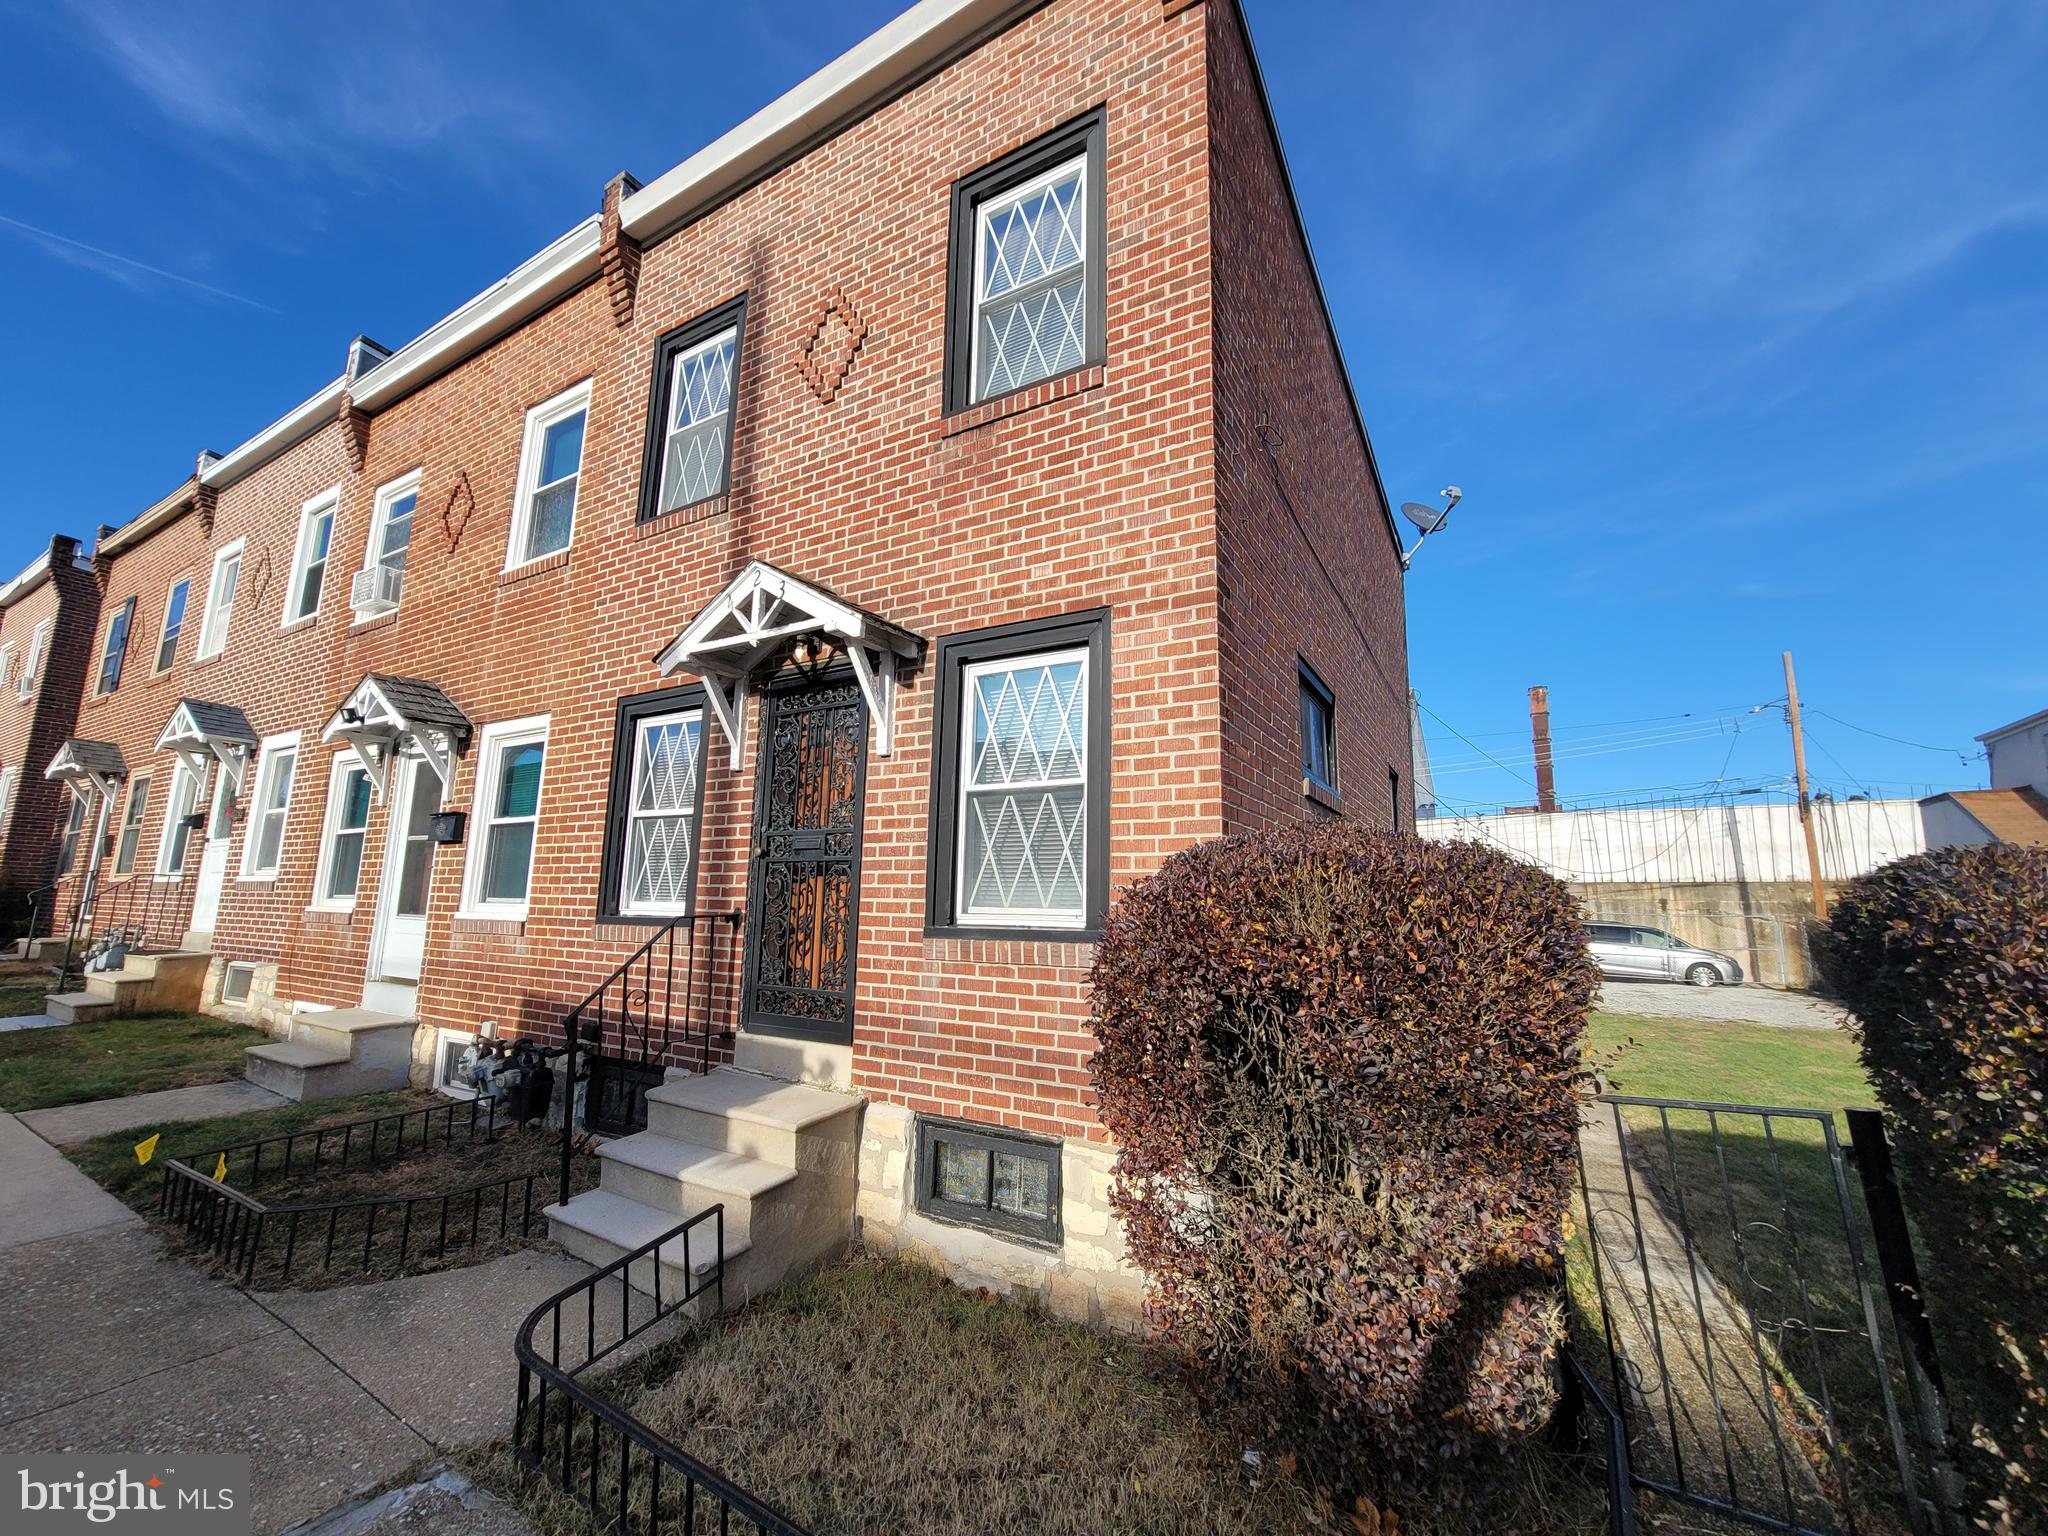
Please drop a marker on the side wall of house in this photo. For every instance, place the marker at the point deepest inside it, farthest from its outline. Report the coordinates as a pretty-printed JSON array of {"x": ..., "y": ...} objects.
[
  {"x": 33, "y": 728},
  {"x": 1307, "y": 567}
]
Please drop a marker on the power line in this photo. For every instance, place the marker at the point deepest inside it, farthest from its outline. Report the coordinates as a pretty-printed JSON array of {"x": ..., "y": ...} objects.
[{"x": 1962, "y": 757}]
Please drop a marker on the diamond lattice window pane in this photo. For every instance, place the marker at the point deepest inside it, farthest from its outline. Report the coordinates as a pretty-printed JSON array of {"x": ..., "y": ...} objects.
[
  {"x": 665, "y": 767},
  {"x": 1027, "y": 725},
  {"x": 658, "y": 862},
  {"x": 1024, "y": 850},
  {"x": 1034, "y": 338},
  {"x": 701, "y": 386},
  {"x": 694, "y": 469},
  {"x": 1033, "y": 237}
]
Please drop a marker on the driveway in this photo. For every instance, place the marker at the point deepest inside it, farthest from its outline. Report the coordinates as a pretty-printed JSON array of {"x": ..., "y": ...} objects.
[{"x": 1732, "y": 1005}]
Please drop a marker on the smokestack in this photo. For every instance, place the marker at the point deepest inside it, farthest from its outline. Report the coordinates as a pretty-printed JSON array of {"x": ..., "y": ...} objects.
[{"x": 1539, "y": 734}]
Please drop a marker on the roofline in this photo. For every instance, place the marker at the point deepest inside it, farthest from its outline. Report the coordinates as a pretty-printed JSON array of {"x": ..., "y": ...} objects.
[
  {"x": 31, "y": 577},
  {"x": 2018, "y": 725},
  {"x": 1251, "y": 50}
]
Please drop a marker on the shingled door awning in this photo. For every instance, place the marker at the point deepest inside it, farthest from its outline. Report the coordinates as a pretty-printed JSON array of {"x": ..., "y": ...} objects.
[
  {"x": 385, "y": 716},
  {"x": 754, "y": 623},
  {"x": 81, "y": 763},
  {"x": 200, "y": 731}
]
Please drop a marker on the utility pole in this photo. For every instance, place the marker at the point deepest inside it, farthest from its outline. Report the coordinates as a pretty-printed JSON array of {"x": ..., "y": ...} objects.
[
  {"x": 1539, "y": 738},
  {"x": 1820, "y": 895}
]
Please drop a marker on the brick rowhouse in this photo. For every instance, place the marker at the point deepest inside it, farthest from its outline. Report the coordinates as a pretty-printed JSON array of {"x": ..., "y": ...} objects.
[{"x": 1193, "y": 493}]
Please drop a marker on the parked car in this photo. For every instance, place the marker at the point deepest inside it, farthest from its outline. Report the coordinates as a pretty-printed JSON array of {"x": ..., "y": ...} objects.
[{"x": 1625, "y": 952}]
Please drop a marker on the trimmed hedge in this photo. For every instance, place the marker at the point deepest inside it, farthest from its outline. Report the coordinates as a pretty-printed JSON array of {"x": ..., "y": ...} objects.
[
  {"x": 1943, "y": 960},
  {"x": 1340, "y": 1068}
]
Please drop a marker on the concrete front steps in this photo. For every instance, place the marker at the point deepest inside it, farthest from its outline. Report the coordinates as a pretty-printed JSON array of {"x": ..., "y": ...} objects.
[
  {"x": 165, "y": 983},
  {"x": 782, "y": 1158},
  {"x": 334, "y": 1053}
]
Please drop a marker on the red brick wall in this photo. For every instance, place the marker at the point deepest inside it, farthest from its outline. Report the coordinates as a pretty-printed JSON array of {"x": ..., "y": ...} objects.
[
  {"x": 31, "y": 730},
  {"x": 1307, "y": 566}
]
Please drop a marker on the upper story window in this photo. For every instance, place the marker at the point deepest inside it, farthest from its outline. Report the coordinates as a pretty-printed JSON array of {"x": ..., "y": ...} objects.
[
  {"x": 381, "y": 582},
  {"x": 270, "y": 807},
  {"x": 114, "y": 654},
  {"x": 689, "y": 438},
  {"x": 174, "y": 623},
  {"x": 7, "y": 663},
  {"x": 550, "y": 465},
  {"x": 657, "y": 797},
  {"x": 309, "y": 557},
  {"x": 220, "y": 600},
  {"x": 1025, "y": 282},
  {"x": 32, "y": 668},
  {"x": 1318, "y": 730},
  {"x": 1020, "y": 807},
  {"x": 499, "y": 871}
]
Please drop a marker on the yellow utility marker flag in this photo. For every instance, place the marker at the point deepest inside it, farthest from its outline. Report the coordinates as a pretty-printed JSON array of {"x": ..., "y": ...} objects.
[
  {"x": 220, "y": 1170},
  {"x": 145, "y": 1150}
]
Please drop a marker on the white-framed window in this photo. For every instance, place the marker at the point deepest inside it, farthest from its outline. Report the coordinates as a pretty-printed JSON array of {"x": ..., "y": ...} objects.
[
  {"x": 74, "y": 827},
  {"x": 1024, "y": 747},
  {"x": 1031, "y": 281},
  {"x": 309, "y": 557},
  {"x": 454, "y": 1059},
  {"x": 697, "y": 431},
  {"x": 550, "y": 467},
  {"x": 342, "y": 835},
  {"x": 659, "y": 863},
  {"x": 389, "y": 545},
  {"x": 176, "y": 837},
  {"x": 131, "y": 826},
  {"x": 6, "y": 795},
  {"x": 263, "y": 840},
  {"x": 38, "y": 646},
  {"x": 7, "y": 654},
  {"x": 498, "y": 873},
  {"x": 174, "y": 623},
  {"x": 114, "y": 652},
  {"x": 237, "y": 981},
  {"x": 220, "y": 600}
]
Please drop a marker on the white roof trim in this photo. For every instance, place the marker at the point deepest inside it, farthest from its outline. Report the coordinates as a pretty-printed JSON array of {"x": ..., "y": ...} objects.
[
  {"x": 921, "y": 37},
  {"x": 1988, "y": 737},
  {"x": 27, "y": 581}
]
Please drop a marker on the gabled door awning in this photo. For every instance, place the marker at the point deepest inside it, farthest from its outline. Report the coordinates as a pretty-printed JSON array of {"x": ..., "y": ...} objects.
[
  {"x": 385, "y": 716},
  {"x": 759, "y": 618},
  {"x": 80, "y": 763},
  {"x": 199, "y": 731}
]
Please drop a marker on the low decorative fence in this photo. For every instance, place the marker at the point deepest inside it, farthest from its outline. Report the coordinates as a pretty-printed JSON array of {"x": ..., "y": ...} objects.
[{"x": 592, "y": 1449}]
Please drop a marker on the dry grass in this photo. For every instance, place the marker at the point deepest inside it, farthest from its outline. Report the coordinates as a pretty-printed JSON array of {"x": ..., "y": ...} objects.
[
  {"x": 876, "y": 1397},
  {"x": 113, "y": 1058}
]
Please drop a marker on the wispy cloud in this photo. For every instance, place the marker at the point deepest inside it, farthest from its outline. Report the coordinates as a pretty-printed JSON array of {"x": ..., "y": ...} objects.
[{"x": 126, "y": 270}]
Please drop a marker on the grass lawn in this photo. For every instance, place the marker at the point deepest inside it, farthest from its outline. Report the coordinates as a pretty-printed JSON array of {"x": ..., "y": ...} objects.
[
  {"x": 111, "y": 1058},
  {"x": 363, "y": 1246},
  {"x": 1727, "y": 1063},
  {"x": 23, "y": 986},
  {"x": 876, "y": 1396}
]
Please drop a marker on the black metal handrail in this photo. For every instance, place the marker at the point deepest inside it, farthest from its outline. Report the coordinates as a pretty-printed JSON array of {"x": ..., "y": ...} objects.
[
  {"x": 585, "y": 1476},
  {"x": 155, "y": 894}
]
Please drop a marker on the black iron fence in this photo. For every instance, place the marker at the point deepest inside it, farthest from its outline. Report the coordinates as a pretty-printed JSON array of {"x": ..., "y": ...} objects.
[
  {"x": 567, "y": 1431},
  {"x": 1752, "y": 1363}
]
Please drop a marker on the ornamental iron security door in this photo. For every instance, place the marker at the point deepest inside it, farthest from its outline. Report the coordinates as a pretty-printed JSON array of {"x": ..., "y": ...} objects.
[{"x": 803, "y": 890}]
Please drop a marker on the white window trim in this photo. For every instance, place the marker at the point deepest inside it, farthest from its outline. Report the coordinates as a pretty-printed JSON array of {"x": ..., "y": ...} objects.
[
  {"x": 247, "y": 970},
  {"x": 135, "y": 811},
  {"x": 985, "y": 211},
  {"x": 157, "y": 665},
  {"x": 628, "y": 907},
  {"x": 7, "y": 776},
  {"x": 271, "y": 748},
  {"x": 344, "y": 763},
  {"x": 180, "y": 775},
  {"x": 7, "y": 655},
  {"x": 717, "y": 338},
  {"x": 220, "y": 562},
  {"x": 538, "y": 420},
  {"x": 443, "y": 1037},
  {"x": 388, "y": 495},
  {"x": 493, "y": 740},
  {"x": 328, "y": 501},
  {"x": 38, "y": 647},
  {"x": 1018, "y": 917}
]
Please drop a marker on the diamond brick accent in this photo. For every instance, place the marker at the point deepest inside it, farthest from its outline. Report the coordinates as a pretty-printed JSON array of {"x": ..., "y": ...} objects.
[
  {"x": 835, "y": 336},
  {"x": 456, "y": 509}
]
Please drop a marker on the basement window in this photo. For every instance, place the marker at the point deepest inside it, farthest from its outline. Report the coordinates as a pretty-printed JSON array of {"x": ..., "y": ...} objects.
[
  {"x": 236, "y": 982},
  {"x": 452, "y": 1064},
  {"x": 979, "y": 1176}
]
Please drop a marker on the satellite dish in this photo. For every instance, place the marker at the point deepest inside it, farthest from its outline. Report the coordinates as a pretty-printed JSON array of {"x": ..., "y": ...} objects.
[{"x": 1428, "y": 519}]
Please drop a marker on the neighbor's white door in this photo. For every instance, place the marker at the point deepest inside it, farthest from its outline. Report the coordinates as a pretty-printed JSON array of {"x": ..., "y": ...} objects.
[
  {"x": 213, "y": 858},
  {"x": 401, "y": 937}
]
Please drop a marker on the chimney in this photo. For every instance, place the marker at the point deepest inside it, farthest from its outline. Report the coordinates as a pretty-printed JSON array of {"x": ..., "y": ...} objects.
[{"x": 1539, "y": 734}]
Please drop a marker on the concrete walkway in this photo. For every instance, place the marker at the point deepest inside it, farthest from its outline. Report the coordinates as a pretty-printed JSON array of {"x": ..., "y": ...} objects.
[
  {"x": 112, "y": 1345},
  {"x": 72, "y": 1123},
  {"x": 30, "y": 1021}
]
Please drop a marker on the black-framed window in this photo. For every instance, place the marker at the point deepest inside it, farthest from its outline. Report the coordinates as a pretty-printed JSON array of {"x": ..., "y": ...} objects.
[
  {"x": 1024, "y": 280},
  {"x": 115, "y": 654},
  {"x": 1020, "y": 781},
  {"x": 656, "y": 807},
  {"x": 690, "y": 406},
  {"x": 980, "y": 1176},
  {"x": 1394, "y": 795},
  {"x": 1318, "y": 730}
]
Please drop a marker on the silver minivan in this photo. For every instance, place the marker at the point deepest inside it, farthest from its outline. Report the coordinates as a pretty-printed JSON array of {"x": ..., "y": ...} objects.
[{"x": 1626, "y": 952}]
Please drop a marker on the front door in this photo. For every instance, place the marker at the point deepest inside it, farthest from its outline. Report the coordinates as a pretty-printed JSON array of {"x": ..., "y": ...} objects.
[
  {"x": 803, "y": 888},
  {"x": 401, "y": 934},
  {"x": 213, "y": 858}
]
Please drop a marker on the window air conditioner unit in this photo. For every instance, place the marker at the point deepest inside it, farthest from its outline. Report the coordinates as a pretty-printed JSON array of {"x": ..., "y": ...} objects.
[{"x": 375, "y": 591}]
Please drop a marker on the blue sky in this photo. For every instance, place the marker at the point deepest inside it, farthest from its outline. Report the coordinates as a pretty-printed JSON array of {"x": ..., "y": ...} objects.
[{"x": 1730, "y": 320}]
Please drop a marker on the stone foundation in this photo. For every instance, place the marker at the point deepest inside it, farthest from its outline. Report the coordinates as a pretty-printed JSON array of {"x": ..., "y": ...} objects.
[
  {"x": 1086, "y": 1280},
  {"x": 264, "y": 1009}
]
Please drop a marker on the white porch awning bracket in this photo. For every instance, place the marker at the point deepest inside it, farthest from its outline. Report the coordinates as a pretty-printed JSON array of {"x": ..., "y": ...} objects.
[{"x": 375, "y": 724}]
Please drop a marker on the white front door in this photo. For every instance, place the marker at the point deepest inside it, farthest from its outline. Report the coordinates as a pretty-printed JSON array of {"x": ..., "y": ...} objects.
[
  {"x": 213, "y": 858},
  {"x": 401, "y": 937}
]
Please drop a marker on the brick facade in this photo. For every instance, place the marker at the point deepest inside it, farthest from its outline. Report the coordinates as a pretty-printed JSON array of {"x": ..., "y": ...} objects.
[
  {"x": 1137, "y": 485},
  {"x": 63, "y": 594}
]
